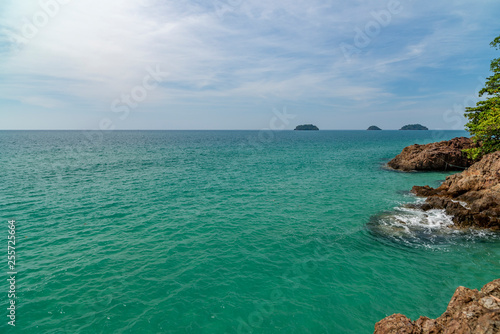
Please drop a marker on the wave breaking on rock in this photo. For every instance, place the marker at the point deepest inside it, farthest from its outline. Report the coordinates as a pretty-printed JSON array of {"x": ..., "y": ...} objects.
[
  {"x": 472, "y": 197},
  {"x": 409, "y": 224}
]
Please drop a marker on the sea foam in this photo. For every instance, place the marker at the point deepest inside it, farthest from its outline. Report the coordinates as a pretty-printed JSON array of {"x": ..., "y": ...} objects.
[{"x": 411, "y": 225}]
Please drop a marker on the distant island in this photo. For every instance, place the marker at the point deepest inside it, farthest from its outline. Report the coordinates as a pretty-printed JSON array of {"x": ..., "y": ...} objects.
[
  {"x": 414, "y": 127},
  {"x": 374, "y": 127},
  {"x": 307, "y": 127}
]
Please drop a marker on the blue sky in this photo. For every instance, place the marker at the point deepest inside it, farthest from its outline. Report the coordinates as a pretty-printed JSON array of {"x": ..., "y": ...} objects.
[{"x": 236, "y": 64}]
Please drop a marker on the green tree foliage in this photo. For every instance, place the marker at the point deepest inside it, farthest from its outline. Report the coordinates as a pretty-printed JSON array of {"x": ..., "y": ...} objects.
[{"x": 484, "y": 118}]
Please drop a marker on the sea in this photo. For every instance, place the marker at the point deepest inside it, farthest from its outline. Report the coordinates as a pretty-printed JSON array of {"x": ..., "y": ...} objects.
[{"x": 224, "y": 232}]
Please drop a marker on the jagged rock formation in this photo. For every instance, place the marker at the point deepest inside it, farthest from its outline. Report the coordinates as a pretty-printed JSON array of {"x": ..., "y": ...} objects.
[
  {"x": 414, "y": 127},
  {"x": 444, "y": 155},
  {"x": 469, "y": 311},
  {"x": 471, "y": 197},
  {"x": 307, "y": 127},
  {"x": 374, "y": 127}
]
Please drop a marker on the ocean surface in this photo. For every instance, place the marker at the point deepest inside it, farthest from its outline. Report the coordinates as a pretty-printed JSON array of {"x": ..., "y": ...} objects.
[{"x": 226, "y": 232}]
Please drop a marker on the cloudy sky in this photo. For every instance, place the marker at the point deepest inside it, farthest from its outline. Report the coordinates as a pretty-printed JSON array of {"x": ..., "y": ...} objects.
[{"x": 235, "y": 64}]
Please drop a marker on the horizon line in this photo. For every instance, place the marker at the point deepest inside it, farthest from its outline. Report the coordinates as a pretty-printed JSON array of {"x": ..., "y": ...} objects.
[{"x": 281, "y": 130}]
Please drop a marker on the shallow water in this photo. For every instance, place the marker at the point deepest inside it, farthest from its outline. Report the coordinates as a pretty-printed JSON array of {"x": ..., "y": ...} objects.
[{"x": 227, "y": 232}]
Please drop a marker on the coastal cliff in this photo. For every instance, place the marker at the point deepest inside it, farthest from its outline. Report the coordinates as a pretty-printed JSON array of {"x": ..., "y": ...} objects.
[
  {"x": 441, "y": 156},
  {"x": 469, "y": 311}
]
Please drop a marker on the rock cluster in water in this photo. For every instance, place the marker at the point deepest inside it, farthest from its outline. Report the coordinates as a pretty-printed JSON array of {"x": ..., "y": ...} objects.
[
  {"x": 471, "y": 197},
  {"x": 469, "y": 311},
  {"x": 441, "y": 156}
]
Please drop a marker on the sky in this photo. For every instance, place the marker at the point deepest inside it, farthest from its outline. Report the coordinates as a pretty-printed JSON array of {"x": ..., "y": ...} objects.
[{"x": 242, "y": 64}]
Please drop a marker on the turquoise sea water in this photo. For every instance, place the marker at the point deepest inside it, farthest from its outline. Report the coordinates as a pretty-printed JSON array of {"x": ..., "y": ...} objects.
[{"x": 226, "y": 232}]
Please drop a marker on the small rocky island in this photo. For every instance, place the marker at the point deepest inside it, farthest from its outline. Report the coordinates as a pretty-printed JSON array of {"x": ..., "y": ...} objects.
[
  {"x": 374, "y": 127},
  {"x": 414, "y": 127},
  {"x": 307, "y": 127}
]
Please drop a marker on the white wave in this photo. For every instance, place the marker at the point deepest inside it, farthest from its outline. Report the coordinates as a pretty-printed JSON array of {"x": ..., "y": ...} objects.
[
  {"x": 431, "y": 228},
  {"x": 432, "y": 219}
]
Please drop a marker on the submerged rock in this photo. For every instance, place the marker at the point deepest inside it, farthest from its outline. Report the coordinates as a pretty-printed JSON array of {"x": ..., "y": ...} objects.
[
  {"x": 444, "y": 155},
  {"x": 469, "y": 311},
  {"x": 471, "y": 197}
]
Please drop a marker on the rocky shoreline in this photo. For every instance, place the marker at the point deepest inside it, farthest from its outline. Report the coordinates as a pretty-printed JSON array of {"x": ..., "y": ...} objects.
[
  {"x": 472, "y": 198},
  {"x": 469, "y": 311}
]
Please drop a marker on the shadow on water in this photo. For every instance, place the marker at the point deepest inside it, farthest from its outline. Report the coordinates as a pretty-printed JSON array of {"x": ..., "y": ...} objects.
[{"x": 411, "y": 226}]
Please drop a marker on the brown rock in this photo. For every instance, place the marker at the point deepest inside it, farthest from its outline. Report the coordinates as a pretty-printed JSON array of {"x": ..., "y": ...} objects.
[
  {"x": 424, "y": 191},
  {"x": 394, "y": 324},
  {"x": 444, "y": 155},
  {"x": 469, "y": 311}
]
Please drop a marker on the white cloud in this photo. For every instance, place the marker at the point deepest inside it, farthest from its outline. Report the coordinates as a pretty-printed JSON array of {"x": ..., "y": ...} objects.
[
  {"x": 90, "y": 52},
  {"x": 41, "y": 101}
]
